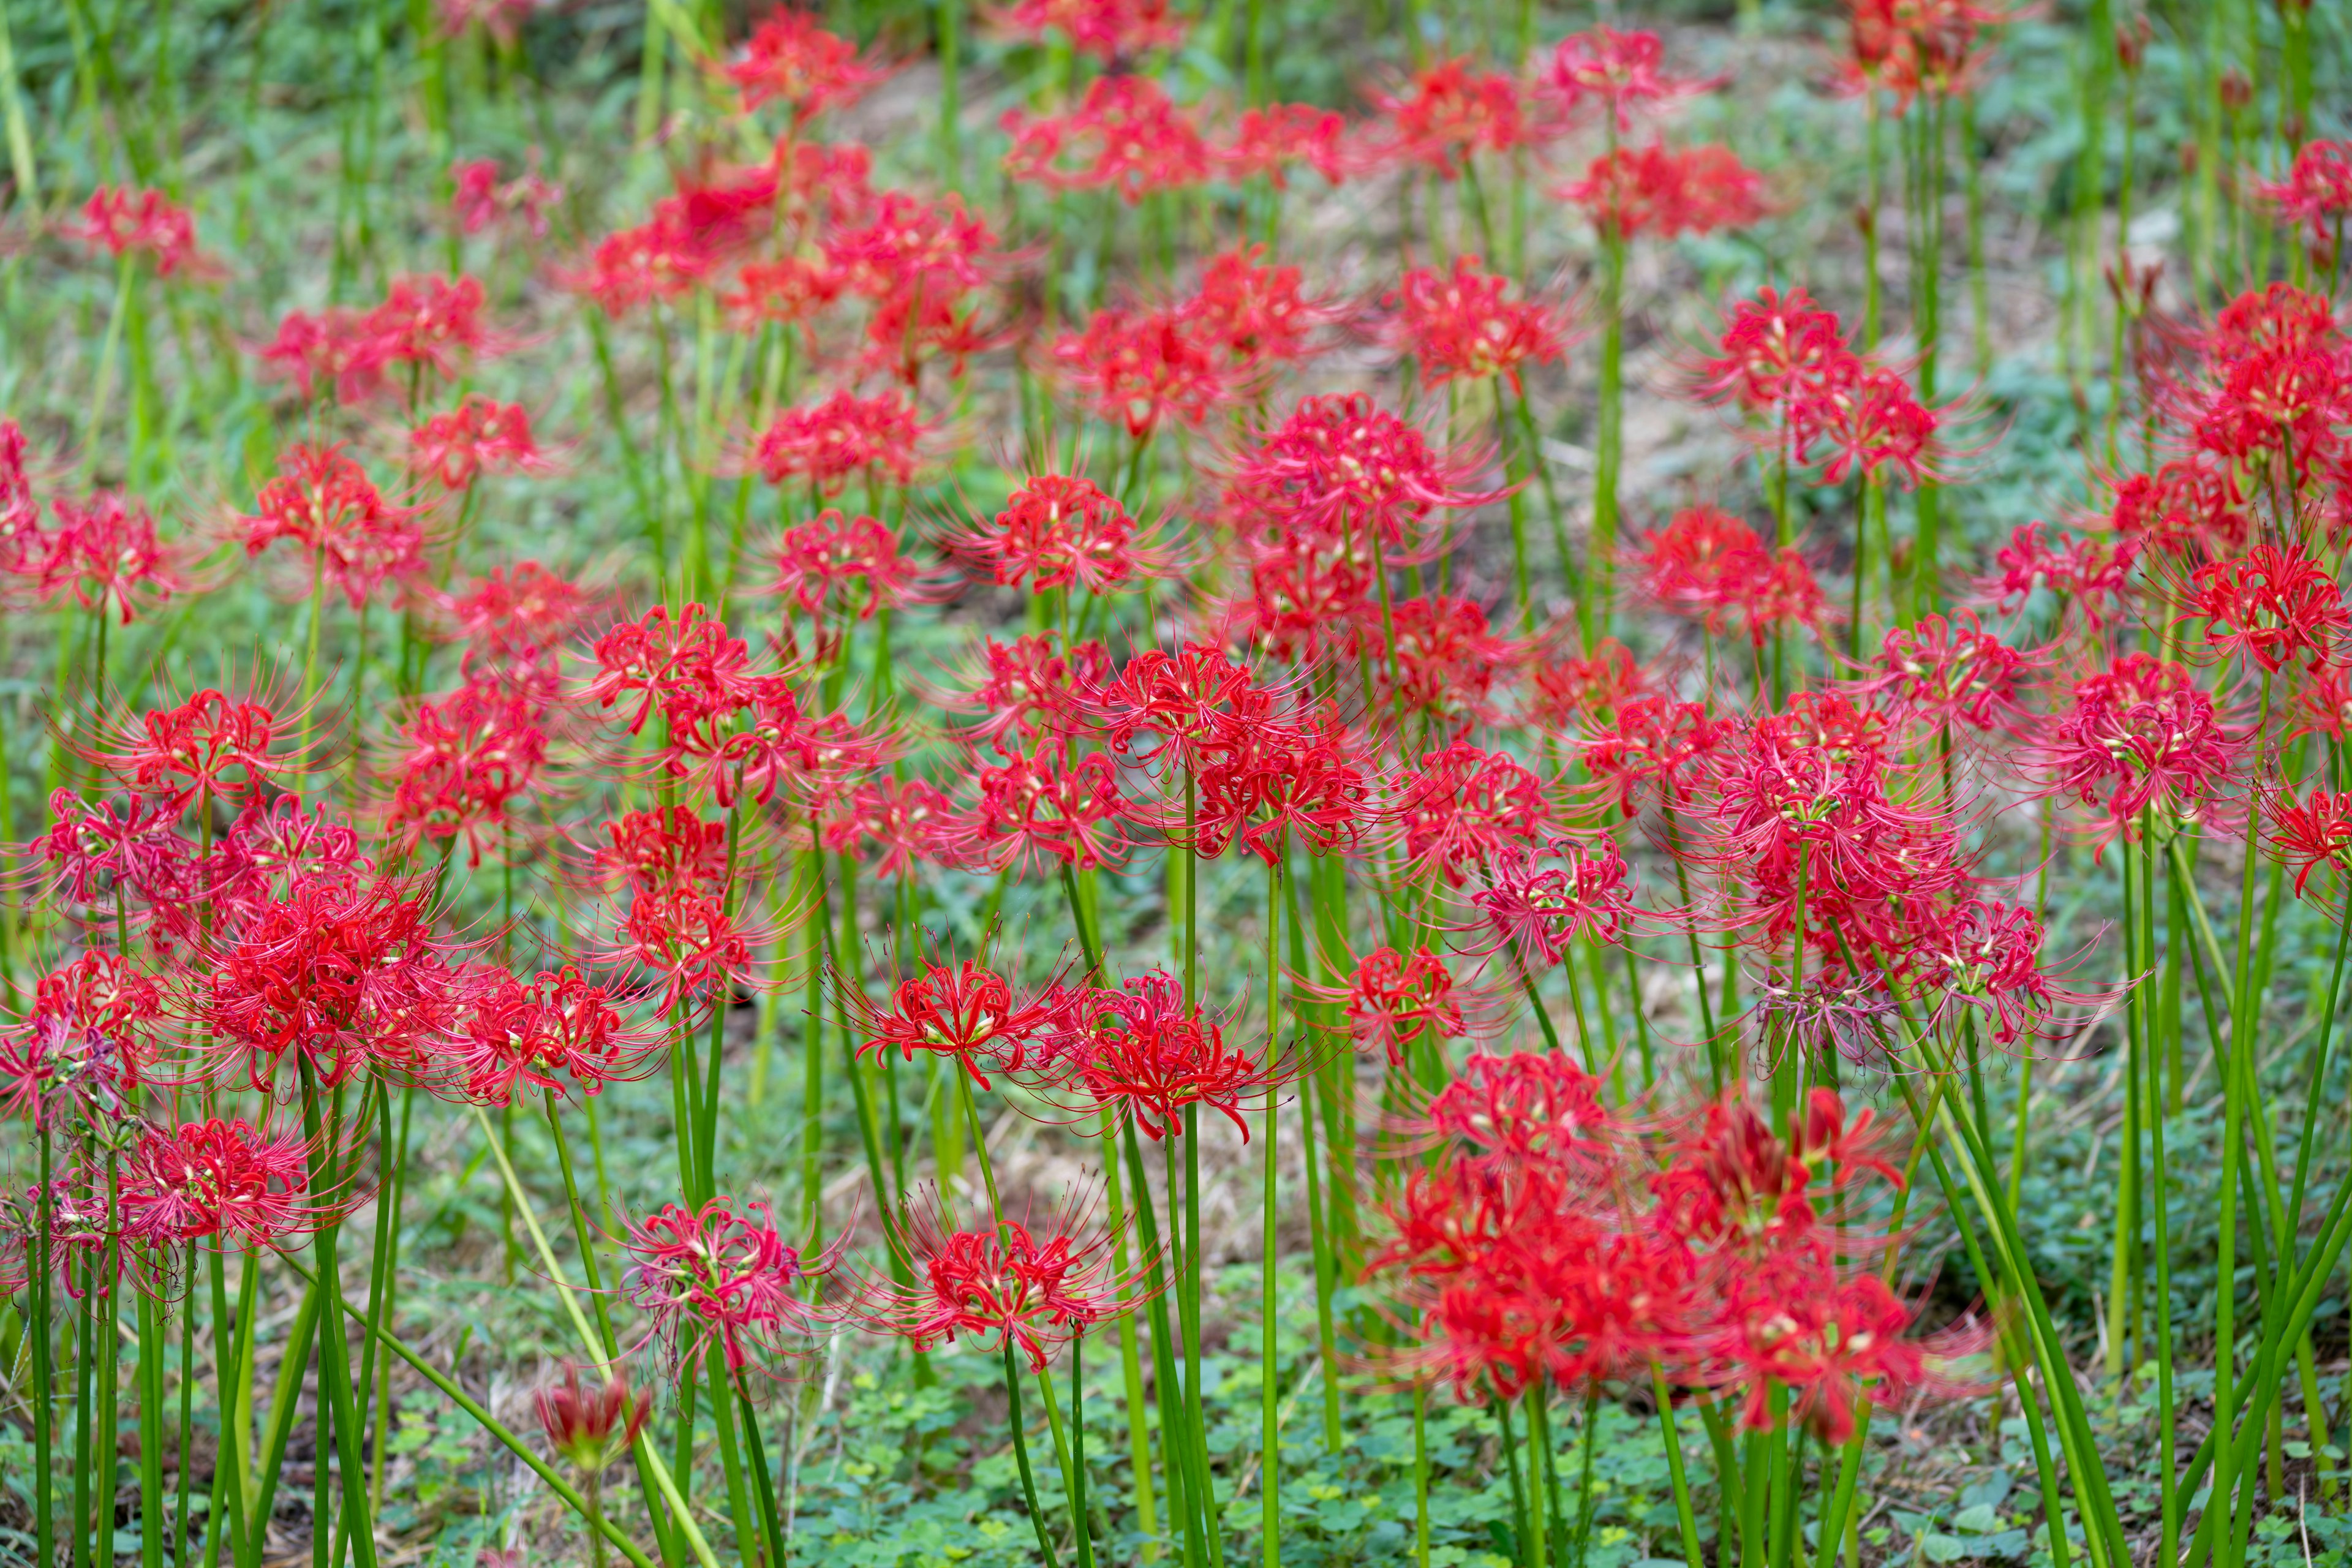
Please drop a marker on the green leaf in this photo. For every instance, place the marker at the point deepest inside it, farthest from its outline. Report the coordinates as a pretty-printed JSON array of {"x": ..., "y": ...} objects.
[{"x": 1941, "y": 1547}]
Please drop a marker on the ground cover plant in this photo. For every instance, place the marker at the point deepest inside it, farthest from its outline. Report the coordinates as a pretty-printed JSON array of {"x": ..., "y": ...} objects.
[{"x": 1105, "y": 782}]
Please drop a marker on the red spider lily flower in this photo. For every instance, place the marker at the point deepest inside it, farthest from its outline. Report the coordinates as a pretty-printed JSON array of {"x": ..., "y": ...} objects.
[
  {"x": 1941, "y": 672},
  {"x": 1305, "y": 593},
  {"x": 1538, "y": 909},
  {"x": 792, "y": 289},
  {"x": 910, "y": 243},
  {"x": 907, "y": 329},
  {"x": 1027, "y": 1288},
  {"x": 2290, "y": 397},
  {"x": 2089, "y": 573},
  {"x": 1502, "y": 1115},
  {"x": 1340, "y": 464},
  {"x": 519, "y": 612},
  {"x": 480, "y": 435},
  {"x": 278, "y": 844},
  {"x": 2324, "y": 701},
  {"x": 1657, "y": 190},
  {"x": 659, "y": 259},
  {"x": 82, "y": 1235},
  {"x": 838, "y": 563},
  {"x": 2189, "y": 506},
  {"x": 1735, "y": 1186},
  {"x": 1254, "y": 308},
  {"x": 1619, "y": 68},
  {"x": 668, "y": 850},
  {"x": 430, "y": 322},
  {"x": 1398, "y": 1000},
  {"x": 1434, "y": 657},
  {"x": 1029, "y": 687},
  {"x": 2275, "y": 317},
  {"x": 1149, "y": 1056},
  {"x": 1911, "y": 47},
  {"x": 717, "y": 1272},
  {"x": 336, "y": 348},
  {"x": 341, "y": 976},
  {"x": 1787, "y": 596},
  {"x": 1870, "y": 423},
  {"x": 105, "y": 554},
  {"x": 127, "y": 847},
  {"x": 688, "y": 663},
  {"x": 1458, "y": 324},
  {"x": 1139, "y": 369},
  {"x": 462, "y": 762},
  {"x": 121, "y": 219},
  {"x": 592, "y": 1428},
  {"x": 2144, "y": 733},
  {"x": 215, "y": 1178},
  {"x": 1109, "y": 30},
  {"x": 1830, "y": 1343},
  {"x": 20, "y": 512},
  {"x": 813, "y": 759},
  {"x": 478, "y": 199},
  {"x": 1267, "y": 142},
  {"x": 1272, "y": 780},
  {"x": 844, "y": 434},
  {"x": 1570, "y": 688},
  {"x": 1041, "y": 808},
  {"x": 1463, "y": 806},
  {"x": 789, "y": 60},
  {"x": 1126, "y": 135},
  {"x": 966, "y": 1011},
  {"x": 93, "y": 1022},
  {"x": 212, "y": 744},
  {"x": 2311, "y": 834},
  {"x": 323, "y": 502},
  {"x": 690, "y": 940},
  {"x": 1704, "y": 562},
  {"x": 2271, "y": 603},
  {"x": 1776, "y": 351},
  {"x": 904, "y": 820},
  {"x": 1058, "y": 531},
  {"x": 2317, "y": 189},
  {"x": 512, "y": 1031},
  {"x": 1175, "y": 709},
  {"x": 1987, "y": 954},
  {"x": 1448, "y": 113}
]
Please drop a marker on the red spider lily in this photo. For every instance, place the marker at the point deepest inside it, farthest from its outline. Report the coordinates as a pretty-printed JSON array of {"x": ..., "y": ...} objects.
[
  {"x": 344, "y": 977},
  {"x": 790, "y": 59},
  {"x": 1736, "y": 1187},
  {"x": 121, "y": 219},
  {"x": 1567, "y": 689},
  {"x": 323, "y": 502},
  {"x": 1305, "y": 593},
  {"x": 1149, "y": 1056},
  {"x": 1795, "y": 1325},
  {"x": 844, "y": 434},
  {"x": 1341, "y": 465},
  {"x": 1463, "y": 806},
  {"x": 1506, "y": 1114},
  {"x": 1271, "y": 780},
  {"x": 591, "y": 1429},
  {"x": 82, "y": 1235},
  {"x": 277, "y": 845},
  {"x": 1109, "y": 30},
  {"x": 105, "y": 554},
  {"x": 462, "y": 762},
  {"x": 2144, "y": 733},
  {"x": 477, "y": 198},
  {"x": 93, "y": 1022},
  {"x": 2271, "y": 603},
  {"x": 1704, "y": 562},
  {"x": 1911, "y": 47},
  {"x": 792, "y": 289},
  {"x": 659, "y": 259},
  {"x": 1787, "y": 596},
  {"x": 1619, "y": 68},
  {"x": 939, "y": 247},
  {"x": 1058, "y": 531},
  {"x": 1459, "y": 325},
  {"x": 2278, "y": 316},
  {"x": 20, "y": 512},
  {"x": 336, "y": 348},
  {"x": 430, "y": 322},
  {"x": 834, "y": 556},
  {"x": 1433, "y": 656},
  {"x": 904, "y": 820},
  {"x": 212, "y": 744},
  {"x": 1447, "y": 114},
  {"x": 2278, "y": 396},
  {"x": 908, "y": 328},
  {"x": 1028, "y": 1288},
  {"x": 1267, "y": 142},
  {"x": 1031, "y": 687},
  {"x": 665, "y": 850},
  {"x": 1041, "y": 808},
  {"x": 2189, "y": 506},
  {"x": 1254, "y": 307},
  {"x": 966, "y": 1011},
  {"x": 1126, "y": 135},
  {"x": 1870, "y": 423},
  {"x": 215, "y": 1178},
  {"x": 1778, "y": 351},
  {"x": 813, "y": 758},
  {"x": 519, "y": 613},
  {"x": 2088, "y": 573},
  {"x": 512, "y": 1031},
  {"x": 2317, "y": 189},
  {"x": 688, "y": 940},
  {"x": 480, "y": 435},
  {"x": 1657, "y": 190},
  {"x": 1536, "y": 910},
  {"x": 719, "y": 1271},
  {"x": 1941, "y": 672},
  {"x": 2324, "y": 701},
  {"x": 1141, "y": 369},
  {"x": 1987, "y": 954},
  {"x": 688, "y": 663},
  {"x": 1176, "y": 708},
  {"x": 129, "y": 847},
  {"x": 2313, "y": 833},
  {"x": 1398, "y": 1000}
]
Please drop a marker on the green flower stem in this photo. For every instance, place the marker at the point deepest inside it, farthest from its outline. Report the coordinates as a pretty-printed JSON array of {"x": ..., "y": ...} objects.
[
  {"x": 1269, "y": 1382},
  {"x": 1021, "y": 1455},
  {"x": 1685, "y": 1517},
  {"x": 1326, "y": 1272}
]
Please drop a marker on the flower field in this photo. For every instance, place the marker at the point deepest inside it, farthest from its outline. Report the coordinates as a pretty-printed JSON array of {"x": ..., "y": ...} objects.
[{"x": 1174, "y": 782}]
